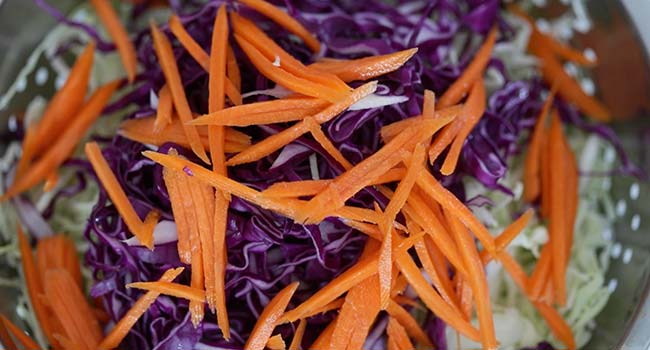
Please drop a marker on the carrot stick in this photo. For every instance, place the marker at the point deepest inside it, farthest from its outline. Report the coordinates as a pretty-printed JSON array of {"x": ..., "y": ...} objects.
[
  {"x": 532, "y": 186},
  {"x": 558, "y": 326},
  {"x": 172, "y": 289},
  {"x": 477, "y": 280},
  {"x": 164, "y": 111},
  {"x": 409, "y": 323},
  {"x": 388, "y": 132},
  {"x": 71, "y": 309},
  {"x": 472, "y": 112},
  {"x": 325, "y": 337},
  {"x": 124, "y": 325},
  {"x": 276, "y": 343},
  {"x": 51, "y": 182},
  {"x": 275, "y": 142},
  {"x": 334, "y": 305},
  {"x": 5, "y": 338},
  {"x": 546, "y": 169},
  {"x": 541, "y": 272},
  {"x": 28, "y": 150},
  {"x": 221, "y": 260},
  {"x": 141, "y": 130},
  {"x": 172, "y": 76},
  {"x": 367, "y": 67},
  {"x": 472, "y": 73},
  {"x": 325, "y": 142},
  {"x": 296, "y": 342},
  {"x": 183, "y": 229},
  {"x": 509, "y": 233},
  {"x": 117, "y": 195},
  {"x": 432, "y": 299},
  {"x": 398, "y": 334},
  {"x": 557, "y": 222},
  {"x": 441, "y": 283},
  {"x": 273, "y": 52},
  {"x": 284, "y": 78},
  {"x": 284, "y": 20},
  {"x": 26, "y": 341},
  {"x": 269, "y": 318},
  {"x": 119, "y": 34},
  {"x": 232, "y": 69},
  {"x": 216, "y": 85},
  {"x": 262, "y": 112},
  {"x": 203, "y": 205},
  {"x": 65, "y": 144}
]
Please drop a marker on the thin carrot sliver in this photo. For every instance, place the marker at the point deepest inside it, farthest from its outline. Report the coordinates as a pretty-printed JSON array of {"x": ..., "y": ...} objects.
[
  {"x": 409, "y": 323},
  {"x": 509, "y": 233},
  {"x": 232, "y": 68},
  {"x": 171, "y": 289},
  {"x": 472, "y": 73},
  {"x": 203, "y": 205},
  {"x": 119, "y": 35},
  {"x": 70, "y": 307},
  {"x": 64, "y": 144},
  {"x": 325, "y": 142},
  {"x": 164, "y": 111},
  {"x": 117, "y": 195},
  {"x": 440, "y": 282},
  {"x": 221, "y": 260},
  {"x": 172, "y": 179},
  {"x": 124, "y": 325},
  {"x": 283, "y": 19},
  {"x": 558, "y": 326},
  {"x": 276, "y": 343},
  {"x": 170, "y": 69},
  {"x": 28, "y": 150},
  {"x": 541, "y": 273},
  {"x": 141, "y": 130},
  {"x": 398, "y": 334},
  {"x": 542, "y": 41},
  {"x": 5, "y": 338},
  {"x": 216, "y": 85},
  {"x": 325, "y": 337},
  {"x": 389, "y": 131},
  {"x": 334, "y": 305},
  {"x": 276, "y": 141},
  {"x": 26, "y": 341},
  {"x": 296, "y": 342},
  {"x": 557, "y": 221},
  {"x": 532, "y": 186},
  {"x": 367, "y": 67},
  {"x": 269, "y": 318}
]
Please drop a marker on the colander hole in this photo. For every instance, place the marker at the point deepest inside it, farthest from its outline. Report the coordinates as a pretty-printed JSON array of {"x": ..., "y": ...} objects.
[
  {"x": 41, "y": 76},
  {"x": 60, "y": 80},
  {"x": 571, "y": 69},
  {"x": 13, "y": 123},
  {"x": 621, "y": 207},
  {"x": 627, "y": 255},
  {"x": 635, "y": 222},
  {"x": 611, "y": 286},
  {"x": 610, "y": 155},
  {"x": 543, "y": 25},
  {"x": 590, "y": 54},
  {"x": 607, "y": 234},
  {"x": 634, "y": 191},
  {"x": 616, "y": 250},
  {"x": 607, "y": 184},
  {"x": 588, "y": 86}
]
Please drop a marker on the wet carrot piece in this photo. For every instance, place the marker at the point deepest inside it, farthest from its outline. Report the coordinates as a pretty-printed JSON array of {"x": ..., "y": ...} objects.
[{"x": 269, "y": 318}]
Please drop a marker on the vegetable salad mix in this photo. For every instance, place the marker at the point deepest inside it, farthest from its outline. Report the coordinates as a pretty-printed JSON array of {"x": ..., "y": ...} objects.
[{"x": 244, "y": 174}]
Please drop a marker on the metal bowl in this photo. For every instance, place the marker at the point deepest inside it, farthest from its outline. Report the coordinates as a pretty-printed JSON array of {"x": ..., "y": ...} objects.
[{"x": 621, "y": 39}]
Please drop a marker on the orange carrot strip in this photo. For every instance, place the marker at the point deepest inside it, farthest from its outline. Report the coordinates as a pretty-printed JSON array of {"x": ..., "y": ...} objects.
[
  {"x": 365, "y": 68},
  {"x": 275, "y": 142},
  {"x": 172, "y": 289},
  {"x": 558, "y": 326},
  {"x": 65, "y": 144},
  {"x": 28, "y": 150},
  {"x": 546, "y": 169},
  {"x": 172, "y": 76},
  {"x": 411, "y": 325},
  {"x": 261, "y": 112},
  {"x": 221, "y": 259},
  {"x": 70, "y": 307},
  {"x": 164, "y": 111},
  {"x": 557, "y": 222},
  {"x": 117, "y": 195},
  {"x": 276, "y": 343},
  {"x": 542, "y": 41},
  {"x": 388, "y": 132},
  {"x": 216, "y": 85},
  {"x": 124, "y": 325},
  {"x": 541, "y": 272},
  {"x": 397, "y": 333},
  {"x": 203, "y": 205},
  {"x": 269, "y": 318},
  {"x": 296, "y": 342},
  {"x": 284, "y": 78},
  {"x": 432, "y": 299},
  {"x": 183, "y": 229},
  {"x": 448, "y": 201},
  {"x": 325, "y": 337},
  {"x": 232, "y": 69},
  {"x": 509, "y": 233},
  {"x": 273, "y": 52},
  {"x": 532, "y": 186},
  {"x": 325, "y": 142},
  {"x": 471, "y": 114},
  {"x": 141, "y": 130},
  {"x": 472, "y": 73},
  {"x": 26, "y": 341},
  {"x": 119, "y": 34},
  {"x": 477, "y": 280},
  {"x": 284, "y": 20},
  {"x": 441, "y": 283},
  {"x": 5, "y": 338}
]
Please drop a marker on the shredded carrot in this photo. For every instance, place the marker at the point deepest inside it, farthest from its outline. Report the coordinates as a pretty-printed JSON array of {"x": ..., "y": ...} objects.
[
  {"x": 409, "y": 323},
  {"x": 296, "y": 342},
  {"x": 64, "y": 144},
  {"x": 276, "y": 343},
  {"x": 119, "y": 34},
  {"x": 285, "y": 78},
  {"x": 325, "y": 337},
  {"x": 124, "y": 325},
  {"x": 397, "y": 333},
  {"x": 172, "y": 179},
  {"x": 334, "y": 305},
  {"x": 558, "y": 326},
  {"x": 58, "y": 252},
  {"x": 221, "y": 259},
  {"x": 557, "y": 223},
  {"x": 232, "y": 69},
  {"x": 532, "y": 186},
  {"x": 28, "y": 150},
  {"x": 325, "y": 142},
  {"x": 71, "y": 309},
  {"x": 509, "y": 233},
  {"x": 440, "y": 282},
  {"x": 203, "y": 205},
  {"x": 471, "y": 114},
  {"x": 432, "y": 299},
  {"x": 541, "y": 272},
  {"x": 275, "y": 142},
  {"x": 141, "y": 130},
  {"x": 117, "y": 195},
  {"x": 284, "y": 20},
  {"x": 172, "y": 289},
  {"x": 26, "y": 341},
  {"x": 472, "y": 73},
  {"x": 5, "y": 338},
  {"x": 216, "y": 84},
  {"x": 269, "y": 318},
  {"x": 365, "y": 68},
  {"x": 164, "y": 111},
  {"x": 172, "y": 76},
  {"x": 388, "y": 132},
  {"x": 404, "y": 300}
]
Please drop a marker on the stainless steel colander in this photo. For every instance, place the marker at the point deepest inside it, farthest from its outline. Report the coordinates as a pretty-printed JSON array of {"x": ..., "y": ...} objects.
[{"x": 623, "y": 77}]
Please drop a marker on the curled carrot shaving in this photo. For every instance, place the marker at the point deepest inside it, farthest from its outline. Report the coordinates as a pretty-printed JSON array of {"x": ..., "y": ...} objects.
[
  {"x": 409, "y": 323},
  {"x": 325, "y": 142},
  {"x": 275, "y": 142},
  {"x": 558, "y": 326},
  {"x": 296, "y": 342},
  {"x": 141, "y": 130},
  {"x": 118, "y": 33},
  {"x": 26, "y": 341},
  {"x": 124, "y": 325},
  {"x": 472, "y": 73},
  {"x": 398, "y": 334},
  {"x": 216, "y": 84},
  {"x": 28, "y": 150},
  {"x": 557, "y": 222},
  {"x": 171, "y": 289},
  {"x": 172, "y": 76},
  {"x": 334, "y": 305},
  {"x": 71, "y": 309},
  {"x": 203, "y": 204},
  {"x": 388, "y": 132},
  {"x": 117, "y": 195},
  {"x": 164, "y": 111},
  {"x": 365, "y": 68},
  {"x": 269, "y": 317},
  {"x": 284, "y": 20},
  {"x": 65, "y": 143}
]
